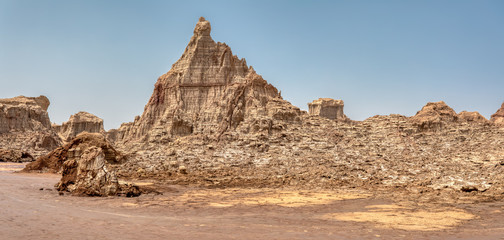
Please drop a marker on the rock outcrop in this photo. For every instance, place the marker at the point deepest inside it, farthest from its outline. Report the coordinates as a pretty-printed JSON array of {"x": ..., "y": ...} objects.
[
  {"x": 498, "y": 117},
  {"x": 79, "y": 122},
  {"x": 209, "y": 91},
  {"x": 14, "y": 156},
  {"x": 434, "y": 116},
  {"x": 25, "y": 125},
  {"x": 88, "y": 173},
  {"x": 328, "y": 108},
  {"x": 474, "y": 117},
  {"x": 53, "y": 162}
]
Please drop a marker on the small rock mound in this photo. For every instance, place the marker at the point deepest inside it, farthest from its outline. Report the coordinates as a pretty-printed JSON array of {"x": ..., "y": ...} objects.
[
  {"x": 14, "y": 156},
  {"x": 89, "y": 174},
  {"x": 53, "y": 162},
  {"x": 498, "y": 117},
  {"x": 434, "y": 116},
  {"x": 474, "y": 117},
  {"x": 328, "y": 108},
  {"x": 79, "y": 122}
]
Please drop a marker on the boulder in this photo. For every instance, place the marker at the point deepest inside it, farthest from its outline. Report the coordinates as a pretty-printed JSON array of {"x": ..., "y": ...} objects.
[{"x": 14, "y": 156}]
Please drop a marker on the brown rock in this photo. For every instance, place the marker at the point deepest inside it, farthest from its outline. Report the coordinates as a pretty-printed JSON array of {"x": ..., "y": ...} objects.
[
  {"x": 472, "y": 117},
  {"x": 328, "y": 108},
  {"x": 89, "y": 174},
  {"x": 25, "y": 125},
  {"x": 208, "y": 90},
  {"x": 79, "y": 122},
  {"x": 498, "y": 117},
  {"x": 53, "y": 162},
  {"x": 434, "y": 116},
  {"x": 14, "y": 156}
]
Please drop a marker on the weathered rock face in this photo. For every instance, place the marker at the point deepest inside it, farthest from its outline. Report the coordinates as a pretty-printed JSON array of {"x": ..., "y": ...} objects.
[
  {"x": 79, "y": 122},
  {"x": 25, "y": 125},
  {"x": 498, "y": 117},
  {"x": 434, "y": 116},
  {"x": 53, "y": 162},
  {"x": 208, "y": 90},
  {"x": 328, "y": 108},
  {"x": 89, "y": 174},
  {"x": 472, "y": 117}
]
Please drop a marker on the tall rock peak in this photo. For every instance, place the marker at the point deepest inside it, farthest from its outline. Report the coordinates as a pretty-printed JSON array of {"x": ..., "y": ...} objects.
[{"x": 208, "y": 90}]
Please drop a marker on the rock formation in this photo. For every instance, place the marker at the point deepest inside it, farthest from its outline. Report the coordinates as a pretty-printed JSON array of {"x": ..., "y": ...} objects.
[
  {"x": 434, "y": 116},
  {"x": 498, "y": 117},
  {"x": 53, "y": 162},
  {"x": 79, "y": 122},
  {"x": 14, "y": 156},
  {"x": 328, "y": 108},
  {"x": 472, "y": 117},
  {"x": 88, "y": 173},
  {"x": 208, "y": 90},
  {"x": 25, "y": 125}
]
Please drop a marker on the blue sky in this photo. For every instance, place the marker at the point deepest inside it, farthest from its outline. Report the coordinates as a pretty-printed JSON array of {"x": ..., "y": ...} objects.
[{"x": 380, "y": 57}]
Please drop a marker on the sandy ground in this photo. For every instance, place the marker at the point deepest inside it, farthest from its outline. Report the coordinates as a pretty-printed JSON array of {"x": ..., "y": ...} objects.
[{"x": 32, "y": 209}]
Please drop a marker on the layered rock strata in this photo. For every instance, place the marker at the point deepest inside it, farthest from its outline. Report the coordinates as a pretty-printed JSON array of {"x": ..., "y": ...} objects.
[
  {"x": 498, "y": 117},
  {"x": 328, "y": 108},
  {"x": 25, "y": 125},
  {"x": 472, "y": 117},
  {"x": 207, "y": 91},
  {"x": 79, "y": 122},
  {"x": 433, "y": 116}
]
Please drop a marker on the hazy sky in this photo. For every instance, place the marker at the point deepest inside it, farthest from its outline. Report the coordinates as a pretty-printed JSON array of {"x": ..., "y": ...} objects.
[{"x": 380, "y": 57}]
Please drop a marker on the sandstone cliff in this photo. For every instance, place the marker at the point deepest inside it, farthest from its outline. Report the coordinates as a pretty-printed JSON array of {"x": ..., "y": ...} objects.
[
  {"x": 498, "y": 117},
  {"x": 25, "y": 125},
  {"x": 208, "y": 90},
  {"x": 79, "y": 122}
]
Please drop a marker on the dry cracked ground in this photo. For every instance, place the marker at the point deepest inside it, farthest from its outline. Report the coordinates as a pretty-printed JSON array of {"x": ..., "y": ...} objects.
[{"x": 32, "y": 209}]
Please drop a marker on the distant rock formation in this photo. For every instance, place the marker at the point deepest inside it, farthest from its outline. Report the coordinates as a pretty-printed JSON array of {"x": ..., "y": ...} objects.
[
  {"x": 474, "y": 117},
  {"x": 434, "y": 116},
  {"x": 328, "y": 108},
  {"x": 79, "y": 122},
  {"x": 498, "y": 117},
  {"x": 14, "y": 156},
  {"x": 25, "y": 125},
  {"x": 208, "y": 90}
]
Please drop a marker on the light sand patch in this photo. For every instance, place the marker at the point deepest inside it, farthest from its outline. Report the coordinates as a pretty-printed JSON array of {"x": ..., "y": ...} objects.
[
  {"x": 11, "y": 167},
  {"x": 285, "y": 198},
  {"x": 136, "y": 183},
  {"x": 398, "y": 217}
]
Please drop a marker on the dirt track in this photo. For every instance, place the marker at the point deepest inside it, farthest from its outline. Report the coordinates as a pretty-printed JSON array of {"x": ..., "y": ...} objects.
[{"x": 27, "y": 212}]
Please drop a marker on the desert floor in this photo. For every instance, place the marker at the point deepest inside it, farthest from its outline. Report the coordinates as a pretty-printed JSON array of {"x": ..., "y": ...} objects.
[{"x": 30, "y": 208}]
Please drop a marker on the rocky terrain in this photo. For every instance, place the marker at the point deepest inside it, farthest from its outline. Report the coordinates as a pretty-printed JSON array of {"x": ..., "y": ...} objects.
[
  {"x": 498, "y": 117},
  {"x": 25, "y": 126},
  {"x": 79, "y": 122},
  {"x": 213, "y": 121}
]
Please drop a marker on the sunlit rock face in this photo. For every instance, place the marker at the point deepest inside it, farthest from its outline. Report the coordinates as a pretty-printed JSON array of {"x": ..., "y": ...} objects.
[
  {"x": 25, "y": 125},
  {"x": 208, "y": 90},
  {"x": 328, "y": 108},
  {"x": 498, "y": 117},
  {"x": 79, "y": 122}
]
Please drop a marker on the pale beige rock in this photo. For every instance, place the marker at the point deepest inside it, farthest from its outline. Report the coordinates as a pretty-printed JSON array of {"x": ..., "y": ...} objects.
[
  {"x": 25, "y": 125},
  {"x": 208, "y": 90},
  {"x": 79, "y": 122},
  {"x": 498, "y": 117},
  {"x": 328, "y": 108}
]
